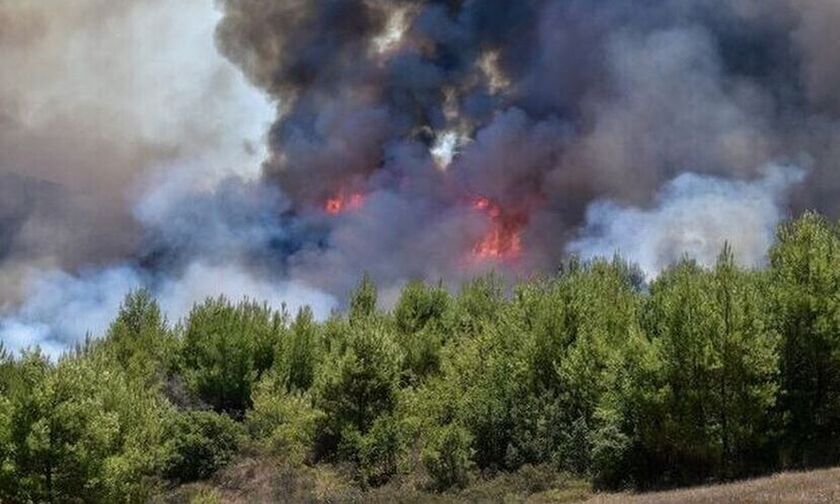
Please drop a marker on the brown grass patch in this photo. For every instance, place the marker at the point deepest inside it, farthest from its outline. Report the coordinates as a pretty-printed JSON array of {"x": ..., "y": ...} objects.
[{"x": 822, "y": 486}]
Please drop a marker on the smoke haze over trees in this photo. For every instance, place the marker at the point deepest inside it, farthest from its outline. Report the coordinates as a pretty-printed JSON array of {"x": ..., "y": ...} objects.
[{"x": 591, "y": 374}]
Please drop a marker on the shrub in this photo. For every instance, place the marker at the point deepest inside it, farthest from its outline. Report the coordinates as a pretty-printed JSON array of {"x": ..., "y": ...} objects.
[
  {"x": 447, "y": 456},
  {"x": 379, "y": 451},
  {"x": 284, "y": 423},
  {"x": 206, "y": 496},
  {"x": 225, "y": 350},
  {"x": 201, "y": 443},
  {"x": 354, "y": 388}
]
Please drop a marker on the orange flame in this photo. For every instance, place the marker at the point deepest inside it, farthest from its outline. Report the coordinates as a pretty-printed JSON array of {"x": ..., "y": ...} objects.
[
  {"x": 343, "y": 203},
  {"x": 504, "y": 241}
]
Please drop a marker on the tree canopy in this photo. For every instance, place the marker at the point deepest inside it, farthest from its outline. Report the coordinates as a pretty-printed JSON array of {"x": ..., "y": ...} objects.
[{"x": 700, "y": 374}]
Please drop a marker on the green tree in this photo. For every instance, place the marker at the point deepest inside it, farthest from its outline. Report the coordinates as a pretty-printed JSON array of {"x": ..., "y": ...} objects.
[
  {"x": 578, "y": 326},
  {"x": 80, "y": 431},
  {"x": 419, "y": 317},
  {"x": 805, "y": 276},
  {"x": 285, "y": 423},
  {"x": 299, "y": 352},
  {"x": 363, "y": 301},
  {"x": 226, "y": 348},
  {"x": 717, "y": 381},
  {"x": 447, "y": 456},
  {"x": 200, "y": 443},
  {"x": 139, "y": 339},
  {"x": 355, "y": 387}
]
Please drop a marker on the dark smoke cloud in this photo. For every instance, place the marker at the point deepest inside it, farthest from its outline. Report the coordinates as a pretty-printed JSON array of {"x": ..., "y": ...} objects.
[
  {"x": 427, "y": 139},
  {"x": 554, "y": 105}
]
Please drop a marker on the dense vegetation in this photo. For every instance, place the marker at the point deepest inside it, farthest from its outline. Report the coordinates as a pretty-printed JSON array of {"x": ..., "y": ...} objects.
[{"x": 703, "y": 374}]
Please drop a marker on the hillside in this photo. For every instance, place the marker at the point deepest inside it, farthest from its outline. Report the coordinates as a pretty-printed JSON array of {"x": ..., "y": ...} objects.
[
  {"x": 261, "y": 481},
  {"x": 784, "y": 488}
]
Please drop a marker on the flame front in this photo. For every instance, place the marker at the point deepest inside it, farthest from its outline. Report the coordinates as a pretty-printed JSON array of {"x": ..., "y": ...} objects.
[
  {"x": 343, "y": 203},
  {"x": 504, "y": 241}
]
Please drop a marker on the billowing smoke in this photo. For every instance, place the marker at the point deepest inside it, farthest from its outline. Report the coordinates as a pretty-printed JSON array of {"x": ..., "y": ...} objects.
[
  {"x": 287, "y": 146},
  {"x": 61, "y": 309},
  {"x": 693, "y": 216},
  {"x": 98, "y": 101}
]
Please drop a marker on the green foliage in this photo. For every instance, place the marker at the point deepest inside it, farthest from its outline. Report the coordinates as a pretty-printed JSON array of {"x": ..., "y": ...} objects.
[
  {"x": 79, "y": 430},
  {"x": 206, "y": 496},
  {"x": 805, "y": 278},
  {"x": 716, "y": 383},
  {"x": 363, "y": 301},
  {"x": 356, "y": 386},
  {"x": 419, "y": 318},
  {"x": 226, "y": 348},
  {"x": 706, "y": 373},
  {"x": 379, "y": 450},
  {"x": 299, "y": 353},
  {"x": 139, "y": 340},
  {"x": 284, "y": 423},
  {"x": 201, "y": 443},
  {"x": 447, "y": 456}
]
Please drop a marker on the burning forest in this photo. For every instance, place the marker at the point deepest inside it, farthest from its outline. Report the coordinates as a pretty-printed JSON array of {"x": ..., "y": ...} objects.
[
  {"x": 417, "y": 250},
  {"x": 286, "y": 147}
]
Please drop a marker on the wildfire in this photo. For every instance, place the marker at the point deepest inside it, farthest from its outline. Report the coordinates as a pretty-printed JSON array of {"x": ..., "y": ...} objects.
[
  {"x": 343, "y": 203},
  {"x": 504, "y": 241}
]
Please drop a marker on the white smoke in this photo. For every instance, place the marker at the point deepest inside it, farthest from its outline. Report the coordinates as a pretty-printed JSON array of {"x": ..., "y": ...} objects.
[
  {"x": 61, "y": 309},
  {"x": 165, "y": 124},
  {"x": 202, "y": 280},
  {"x": 693, "y": 216}
]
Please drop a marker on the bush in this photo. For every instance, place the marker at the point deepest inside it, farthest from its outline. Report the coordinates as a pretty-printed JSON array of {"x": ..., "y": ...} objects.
[
  {"x": 201, "y": 443},
  {"x": 284, "y": 423},
  {"x": 206, "y": 496},
  {"x": 225, "y": 350},
  {"x": 447, "y": 456},
  {"x": 355, "y": 388},
  {"x": 379, "y": 451}
]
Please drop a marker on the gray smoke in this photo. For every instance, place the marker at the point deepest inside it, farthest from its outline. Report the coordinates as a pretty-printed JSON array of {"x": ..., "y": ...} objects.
[
  {"x": 693, "y": 216},
  {"x": 431, "y": 139}
]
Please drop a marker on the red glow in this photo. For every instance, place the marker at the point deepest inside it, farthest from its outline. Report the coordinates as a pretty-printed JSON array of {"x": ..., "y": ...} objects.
[
  {"x": 343, "y": 203},
  {"x": 504, "y": 241}
]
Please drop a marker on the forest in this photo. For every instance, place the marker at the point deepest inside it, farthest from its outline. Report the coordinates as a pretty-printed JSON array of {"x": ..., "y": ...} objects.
[{"x": 702, "y": 374}]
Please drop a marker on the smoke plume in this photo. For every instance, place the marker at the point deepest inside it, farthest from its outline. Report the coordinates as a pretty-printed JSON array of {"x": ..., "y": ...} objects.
[
  {"x": 287, "y": 146},
  {"x": 693, "y": 216}
]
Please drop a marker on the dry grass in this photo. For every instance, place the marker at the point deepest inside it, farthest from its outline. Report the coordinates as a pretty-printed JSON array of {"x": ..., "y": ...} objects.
[
  {"x": 263, "y": 480},
  {"x": 822, "y": 486}
]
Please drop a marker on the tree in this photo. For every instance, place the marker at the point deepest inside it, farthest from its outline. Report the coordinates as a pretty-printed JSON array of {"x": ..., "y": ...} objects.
[
  {"x": 200, "y": 443},
  {"x": 226, "y": 348},
  {"x": 285, "y": 423},
  {"x": 139, "y": 339},
  {"x": 805, "y": 276},
  {"x": 357, "y": 386},
  {"x": 81, "y": 430},
  {"x": 419, "y": 317},
  {"x": 579, "y": 326},
  {"x": 717, "y": 381},
  {"x": 299, "y": 352},
  {"x": 363, "y": 301}
]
